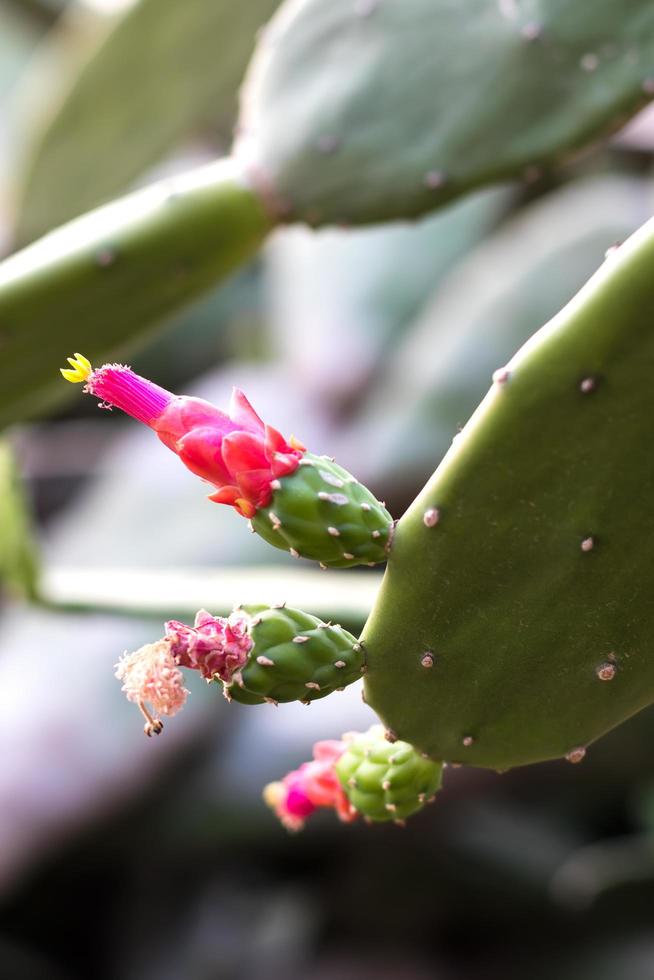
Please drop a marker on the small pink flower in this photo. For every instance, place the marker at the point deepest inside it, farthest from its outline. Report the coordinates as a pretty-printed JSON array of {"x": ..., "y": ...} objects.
[
  {"x": 215, "y": 646},
  {"x": 235, "y": 451},
  {"x": 315, "y": 784},
  {"x": 151, "y": 676}
]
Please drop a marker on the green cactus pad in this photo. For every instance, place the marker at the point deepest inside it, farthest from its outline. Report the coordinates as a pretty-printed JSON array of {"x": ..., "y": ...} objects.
[
  {"x": 368, "y": 110},
  {"x": 386, "y": 780},
  {"x": 295, "y": 657},
  {"x": 515, "y": 622},
  {"x": 321, "y": 512},
  {"x": 100, "y": 282}
]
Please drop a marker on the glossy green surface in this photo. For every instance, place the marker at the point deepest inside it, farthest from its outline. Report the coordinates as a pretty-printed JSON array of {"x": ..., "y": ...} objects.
[
  {"x": 538, "y": 573},
  {"x": 321, "y": 512},
  {"x": 295, "y": 657}
]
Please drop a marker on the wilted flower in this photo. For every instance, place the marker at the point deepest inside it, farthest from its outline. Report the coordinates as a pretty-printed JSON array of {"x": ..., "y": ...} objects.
[
  {"x": 151, "y": 676},
  {"x": 215, "y": 646},
  {"x": 236, "y": 451}
]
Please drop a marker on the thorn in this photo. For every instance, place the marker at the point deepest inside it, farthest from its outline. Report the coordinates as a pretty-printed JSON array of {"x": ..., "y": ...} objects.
[
  {"x": 279, "y": 605},
  {"x": 274, "y": 520},
  {"x": 422, "y": 797},
  {"x": 431, "y": 517},
  {"x": 376, "y": 534},
  {"x": 501, "y": 376},
  {"x": 357, "y": 647},
  {"x": 293, "y": 553},
  {"x": 300, "y": 639},
  {"x": 105, "y": 257},
  {"x": 340, "y": 664},
  {"x": 348, "y": 555},
  {"x": 306, "y": 462},
  {"x": 251, "y": 528},
  {"x": 312, "y": 685},
  {"x": 275, "y": 485},
  {"x": 363, "y": 696},
  {"x": 365, "y": 507},
  {"x": 588, "y": 544},
  {"x": 352, "y": 782},
  {"x": 576, "y": 755},
  {"x": 323, "y": 566},
  {"x": 400, "y": 823},
  {"x": 256, "y": 621},
  {"x": 386, "y": 785},
  {"x": 427, "y": 660},
  {"x": 306, "y": 701},
  {"x": 333, "y": 498},
  {"x": 227, "y": 694},
  {"x": 468, "y": 740},
  {"x": 606, "y": 672},
  {"x": 335, "y": 533},
  {"x": 265, "y": 661},
  {"x": 371, "y": 564},
  {"x": 587, "y": 385},
  {"x": 272, "y": 701},
  {"x": 390, "y": 735},
  {"x": 391, "y": 807}
]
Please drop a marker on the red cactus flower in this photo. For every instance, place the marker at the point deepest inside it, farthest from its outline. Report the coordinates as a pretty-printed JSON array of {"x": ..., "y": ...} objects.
[
  {"x": 236, "y": 451},
  {"x": 315, "y": 784}
]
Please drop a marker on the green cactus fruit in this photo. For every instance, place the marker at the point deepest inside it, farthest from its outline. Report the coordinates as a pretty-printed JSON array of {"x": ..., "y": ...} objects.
[
  {"x": 386, "y": 780},
  {"x": 323, "y": 513},
  {"x": 515, "y": 620},
  {"x": 368, "y": 110},
  {"x": 295, "y": 657}
]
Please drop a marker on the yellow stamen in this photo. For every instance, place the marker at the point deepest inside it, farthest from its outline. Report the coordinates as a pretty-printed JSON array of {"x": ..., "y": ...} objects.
[{"x": 80, "y": 369}]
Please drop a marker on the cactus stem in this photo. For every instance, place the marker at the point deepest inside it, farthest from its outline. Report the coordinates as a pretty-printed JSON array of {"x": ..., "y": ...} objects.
[
  {"x": 468, "y": 740},
  {"x": 390, "y": 736},
  {"x": 588, "y": 544},
  {"x": 427, "y": 660},
  {"x": 431, "y": 517},
  {"x": 606, "y": 672},
  {"x": 300, "y": 639},
  {"x": 265, "y": 661},
  {"x": 339, "y": 664},
  {"x": 576, "y": 755},
  {"x": 587, "y": 385},
  {"x": 501, "y": 376}
]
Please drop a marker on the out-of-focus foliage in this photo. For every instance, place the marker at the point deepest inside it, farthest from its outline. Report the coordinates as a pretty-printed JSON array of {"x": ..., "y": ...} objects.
[
  {"x": 18, "y": 564},
  {"x": 167, "y": 71}
]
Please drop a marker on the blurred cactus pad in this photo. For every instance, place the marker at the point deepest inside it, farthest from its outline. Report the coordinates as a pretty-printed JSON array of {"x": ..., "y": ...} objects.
[{"x": 515, "y": 621}]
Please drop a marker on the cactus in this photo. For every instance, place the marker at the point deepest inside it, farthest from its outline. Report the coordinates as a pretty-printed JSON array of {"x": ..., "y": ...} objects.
[
  {"x": 514, "y": 622},
  {"x": 321, "y": 512},
  {"x": 361, "y": 774},
  {"x": 297, "y": 501},
  {"x": 117, "y": 271},
  {"x": 386, "y": 780},
  {"x": 439, "y": 98},
  {"x": 294, "y": 657}
]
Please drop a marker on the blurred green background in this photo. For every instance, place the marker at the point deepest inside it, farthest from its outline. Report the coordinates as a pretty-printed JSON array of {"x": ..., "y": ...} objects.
[{"x": 123, "y": 858}]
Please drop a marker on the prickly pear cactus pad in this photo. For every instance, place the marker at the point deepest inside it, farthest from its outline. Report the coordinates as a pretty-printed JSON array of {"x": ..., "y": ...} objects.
[
  {"x": 368, "y": 110},
  {"x": 322, "y": 512},
  {"x": 515, "y": 622},
  {"x": 295, "y": 657},
  {"x": 384, "y": 780}
]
